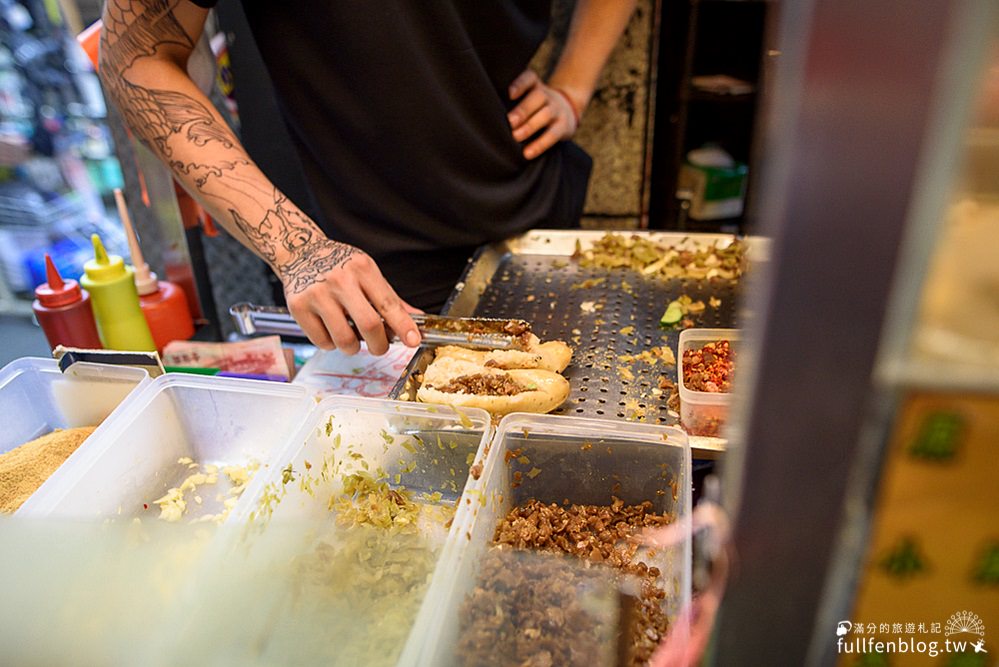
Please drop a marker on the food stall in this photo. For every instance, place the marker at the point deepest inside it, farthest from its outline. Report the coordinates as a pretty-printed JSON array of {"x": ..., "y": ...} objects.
[
  {"x": 551, "y": 495},
  {"x": 315, "y": 493}
]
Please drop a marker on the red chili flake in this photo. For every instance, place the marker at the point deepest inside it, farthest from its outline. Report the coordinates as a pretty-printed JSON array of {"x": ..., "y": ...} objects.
[
  {"x": 145, "y": 506},
  {"x": 709, "y": 368}
]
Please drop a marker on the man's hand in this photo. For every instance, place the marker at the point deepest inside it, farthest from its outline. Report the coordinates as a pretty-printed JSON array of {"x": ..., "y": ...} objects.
[
  {"x": 556, "y": 107},
  {"x": 541, "y": 107},
  {"x": 328, "y": 282}
]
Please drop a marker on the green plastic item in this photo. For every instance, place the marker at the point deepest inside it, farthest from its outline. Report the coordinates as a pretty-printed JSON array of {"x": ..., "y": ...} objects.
[{"x": 193, "y": 370}]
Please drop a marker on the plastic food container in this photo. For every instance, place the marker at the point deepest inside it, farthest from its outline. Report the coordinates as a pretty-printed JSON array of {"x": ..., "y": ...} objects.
[
  {"x": 580, "y": 460},
  {"x": 702, "y": 412},
  {"x": 37, "y": 398},
  {"x": 307, "y": 590},
  {"x": 134, "y": 460}
]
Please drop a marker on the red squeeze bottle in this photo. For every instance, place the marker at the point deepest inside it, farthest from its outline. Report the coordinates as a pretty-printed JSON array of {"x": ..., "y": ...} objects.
[
  {"x": 165, "y": 308},
  {"x": 63, "y": 311},
  {"x": 163, "y": 303}
]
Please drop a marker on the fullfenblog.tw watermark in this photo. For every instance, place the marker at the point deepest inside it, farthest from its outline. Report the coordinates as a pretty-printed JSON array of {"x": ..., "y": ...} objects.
[{"x": 963, "y": 632}]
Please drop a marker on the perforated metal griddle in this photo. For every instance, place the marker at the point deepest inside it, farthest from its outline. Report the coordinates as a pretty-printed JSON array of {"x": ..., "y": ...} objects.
[
  {"x": 534, "y": 278},
  {"x": 547, "y": 295}
]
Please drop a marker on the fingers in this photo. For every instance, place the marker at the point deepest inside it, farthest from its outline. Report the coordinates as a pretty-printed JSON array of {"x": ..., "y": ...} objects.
[
  {"x": 411, "y": 309},
  {"x": 369, "y": 324},
  {"x": 335, "y": 321},
  {"x": 554, "y": 134},
  {"x": 394, "y": 311},
  {"x": 543, "y": 110},
  {"x": 530, "y": 105},
  {"x": 527, "y": 80},
  {"x": 322, "y": 319},
  {"x": 313, "y": 327},
  {"x": 539, "y": 120},
  {"x": 353, "y": 291}
]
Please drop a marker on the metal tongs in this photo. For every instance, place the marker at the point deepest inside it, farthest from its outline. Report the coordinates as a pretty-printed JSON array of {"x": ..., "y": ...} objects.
[{"x": 477, "y": 332}]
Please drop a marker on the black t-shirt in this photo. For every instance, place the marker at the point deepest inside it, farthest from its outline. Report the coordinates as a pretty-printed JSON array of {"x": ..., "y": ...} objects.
[{"x": 397, "y": 109}]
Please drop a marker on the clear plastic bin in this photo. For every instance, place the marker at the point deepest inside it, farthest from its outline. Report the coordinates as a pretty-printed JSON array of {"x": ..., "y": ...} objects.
[
  {"x": 583, "y": 461},
  {"x": 307, "y": 591},
  {"x": 135, "y": 459},
  {"x": 36, "y": 398},
  {"x": 702, "y": 412}
]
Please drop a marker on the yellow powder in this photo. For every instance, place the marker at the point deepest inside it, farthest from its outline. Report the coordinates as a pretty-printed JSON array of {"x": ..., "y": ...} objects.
[{"x": 25, "y": 468}]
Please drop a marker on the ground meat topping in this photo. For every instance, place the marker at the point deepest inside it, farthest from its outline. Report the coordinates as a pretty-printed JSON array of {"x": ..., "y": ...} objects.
[
  {"x": 516, "y": 328},
  {"x": 534, "y": 611},
  {"x": 519, "y": 330},
  {"x": 544, "y": 623},
  {"x": 479, "y": 326},
  {"x": 482, "y": 384},
  {"x": 588, "y": 531},
  {"x": 669, "y": 388}
]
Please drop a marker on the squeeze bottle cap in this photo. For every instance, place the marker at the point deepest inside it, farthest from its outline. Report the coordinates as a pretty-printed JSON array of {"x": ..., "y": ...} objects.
[
  {"x": 103, "y": 267},
  {"x": 145, "y": 280},
  {"x": 57, "y": 291}
]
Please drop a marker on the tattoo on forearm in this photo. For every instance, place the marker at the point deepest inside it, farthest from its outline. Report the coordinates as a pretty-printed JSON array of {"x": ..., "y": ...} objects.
[
  {"x": 282, "y": 222},
  {"x": 309, "y": 258},
  {"x": 257, "y": 235},
  {"x": 200, "y": 173},
  {"x": 296, "y": 229},
  {"x": 156, "y": 116},
  {"x": 171, "y": 122},
  {"x": 314, "y": 262}
]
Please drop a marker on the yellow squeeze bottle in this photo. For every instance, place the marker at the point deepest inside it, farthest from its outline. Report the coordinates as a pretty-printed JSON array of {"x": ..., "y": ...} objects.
[{"x": 111, "y": 285}]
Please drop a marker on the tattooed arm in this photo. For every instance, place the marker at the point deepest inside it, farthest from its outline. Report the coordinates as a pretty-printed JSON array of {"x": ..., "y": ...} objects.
[{"x": 145, "y": 45}]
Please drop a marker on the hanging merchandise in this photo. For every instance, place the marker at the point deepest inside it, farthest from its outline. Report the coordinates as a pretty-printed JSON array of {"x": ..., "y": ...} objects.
[
  {"x": 63, "y": 311},
  {"x": 162, "y": 302},
  {"x": 111, "y": 284}
]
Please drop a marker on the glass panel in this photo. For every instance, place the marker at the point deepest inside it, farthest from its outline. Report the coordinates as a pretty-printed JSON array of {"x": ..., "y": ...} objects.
[{"x": 958, "y": 318}]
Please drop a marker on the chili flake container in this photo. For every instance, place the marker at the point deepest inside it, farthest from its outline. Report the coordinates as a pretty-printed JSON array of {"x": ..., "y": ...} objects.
[{"x": 702, "y": 412}]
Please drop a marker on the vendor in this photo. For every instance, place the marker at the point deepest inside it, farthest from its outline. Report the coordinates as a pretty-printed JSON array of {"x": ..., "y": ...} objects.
[{"x": 420, "y": 130}]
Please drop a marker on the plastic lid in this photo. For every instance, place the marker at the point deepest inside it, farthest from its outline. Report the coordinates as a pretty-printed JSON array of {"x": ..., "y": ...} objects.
[
  {"x": 57, "y": 291},
  {"x": 103, "y": 267}
]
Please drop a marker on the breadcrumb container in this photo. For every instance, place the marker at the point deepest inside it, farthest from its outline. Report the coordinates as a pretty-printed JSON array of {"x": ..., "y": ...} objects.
[
  {"x": 331, "y": 553},
  {"x": 702, "y": 412},
  {"x": 159, "y": 441},
  {"x": 36, "y": 398},
  {"x": 564, "y": 460}
]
